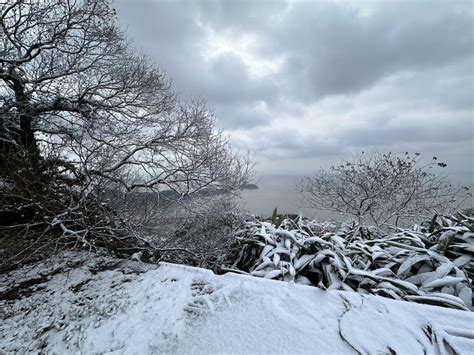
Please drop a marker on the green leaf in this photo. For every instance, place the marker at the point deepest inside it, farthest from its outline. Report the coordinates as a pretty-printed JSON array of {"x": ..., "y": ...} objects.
[{"x": 433, "y": 223}]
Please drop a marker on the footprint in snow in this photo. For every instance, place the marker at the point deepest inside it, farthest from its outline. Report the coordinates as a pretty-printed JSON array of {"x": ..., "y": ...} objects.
[{"x": 208, "y": 298}]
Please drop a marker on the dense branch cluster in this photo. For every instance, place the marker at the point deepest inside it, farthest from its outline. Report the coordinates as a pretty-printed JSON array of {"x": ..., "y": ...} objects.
[
  {"x": 82, "y": 114},
  {"x": 381, "y": 187}
]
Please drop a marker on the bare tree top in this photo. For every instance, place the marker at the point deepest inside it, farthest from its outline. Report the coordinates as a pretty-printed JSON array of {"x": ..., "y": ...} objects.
[
  {"x": 80, "y": 93},
  {"x": 381, "y": 186}
]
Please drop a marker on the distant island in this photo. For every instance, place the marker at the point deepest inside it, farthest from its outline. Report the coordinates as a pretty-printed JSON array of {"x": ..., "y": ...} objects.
[{"x": 249, "y": 187}]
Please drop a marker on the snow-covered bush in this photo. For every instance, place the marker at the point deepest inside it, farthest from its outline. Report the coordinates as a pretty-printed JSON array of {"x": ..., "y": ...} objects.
[
  {"x": 204, "y": 239},
  {"x": 427, "y": 264},
  {"x": 383, "y": 187}
]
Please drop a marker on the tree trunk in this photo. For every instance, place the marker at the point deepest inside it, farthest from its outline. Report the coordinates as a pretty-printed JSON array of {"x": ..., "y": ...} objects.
[
  {"x": 25, "y": 137},
  {"x": 28, "y": 141}
]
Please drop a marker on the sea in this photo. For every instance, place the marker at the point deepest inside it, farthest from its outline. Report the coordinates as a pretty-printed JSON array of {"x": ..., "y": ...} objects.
[{"x": 280, "y": 192}]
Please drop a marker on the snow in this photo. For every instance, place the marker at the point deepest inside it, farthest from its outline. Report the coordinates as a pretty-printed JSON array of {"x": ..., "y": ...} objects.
[
  {"x": 394, "y": 265},
  {"x": 83, "y": 303}
]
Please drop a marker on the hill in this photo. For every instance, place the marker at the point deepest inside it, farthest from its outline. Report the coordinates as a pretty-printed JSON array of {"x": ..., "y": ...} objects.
[{"x": 79, "y": 302}]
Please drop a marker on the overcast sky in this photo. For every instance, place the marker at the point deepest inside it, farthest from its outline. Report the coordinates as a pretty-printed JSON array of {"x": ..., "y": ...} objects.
[{"x": 301, "y": 84}]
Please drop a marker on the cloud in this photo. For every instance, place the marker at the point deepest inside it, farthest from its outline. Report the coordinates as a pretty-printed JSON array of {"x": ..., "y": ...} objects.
[
  {"x": 299, "y": 81},
  {"x": 332, "y": 49},
  {"x": 392, "y": 132},
  {"x": 246, "y": 116}
]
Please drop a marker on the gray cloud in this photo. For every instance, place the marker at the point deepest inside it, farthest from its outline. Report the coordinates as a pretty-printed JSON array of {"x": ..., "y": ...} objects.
[
  {"x": 243, "y": 116},
  {"x": 391, "y": 133},
  {"x": 338, "y": 51},
  {"x": 289, "y": 143},
  {"x": 320, "y": 78},
  {"x": 229, "y": 82}
]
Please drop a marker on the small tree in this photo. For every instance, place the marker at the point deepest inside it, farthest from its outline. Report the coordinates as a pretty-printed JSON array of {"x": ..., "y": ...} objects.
[{"x": 382, "y": 187}]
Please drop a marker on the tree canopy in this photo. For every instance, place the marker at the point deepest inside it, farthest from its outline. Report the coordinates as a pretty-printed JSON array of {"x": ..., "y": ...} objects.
[
  {"x": 76, "y": 92},
  {"x": 83, "y": 114}
]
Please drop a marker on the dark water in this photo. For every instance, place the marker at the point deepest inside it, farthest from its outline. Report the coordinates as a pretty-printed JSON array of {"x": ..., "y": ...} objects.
[{"x": 280, "y": 192}]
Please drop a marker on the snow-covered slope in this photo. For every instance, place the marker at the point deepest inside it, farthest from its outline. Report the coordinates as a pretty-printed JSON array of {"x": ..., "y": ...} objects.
[{"x": 90, "y": 304}]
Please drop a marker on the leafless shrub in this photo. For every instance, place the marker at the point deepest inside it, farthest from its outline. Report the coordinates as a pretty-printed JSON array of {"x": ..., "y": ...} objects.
[{"x": 378, "y": 187}]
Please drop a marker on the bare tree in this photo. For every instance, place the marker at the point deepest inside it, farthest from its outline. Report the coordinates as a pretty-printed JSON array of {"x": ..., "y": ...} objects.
[
  {"x": 381, "y": 187},
  {"x": 82, "y": 111}
]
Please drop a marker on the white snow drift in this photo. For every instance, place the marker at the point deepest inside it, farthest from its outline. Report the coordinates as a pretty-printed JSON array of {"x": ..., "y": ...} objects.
[{"x": 90, "y": 304}]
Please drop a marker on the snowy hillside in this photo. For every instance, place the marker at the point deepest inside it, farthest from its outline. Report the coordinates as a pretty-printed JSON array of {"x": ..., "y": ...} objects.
[{"x": 91, "y": 304}]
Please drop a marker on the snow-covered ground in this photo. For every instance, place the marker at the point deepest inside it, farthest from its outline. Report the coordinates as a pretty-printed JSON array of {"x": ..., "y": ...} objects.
[{"x": 83, "y": 303}]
